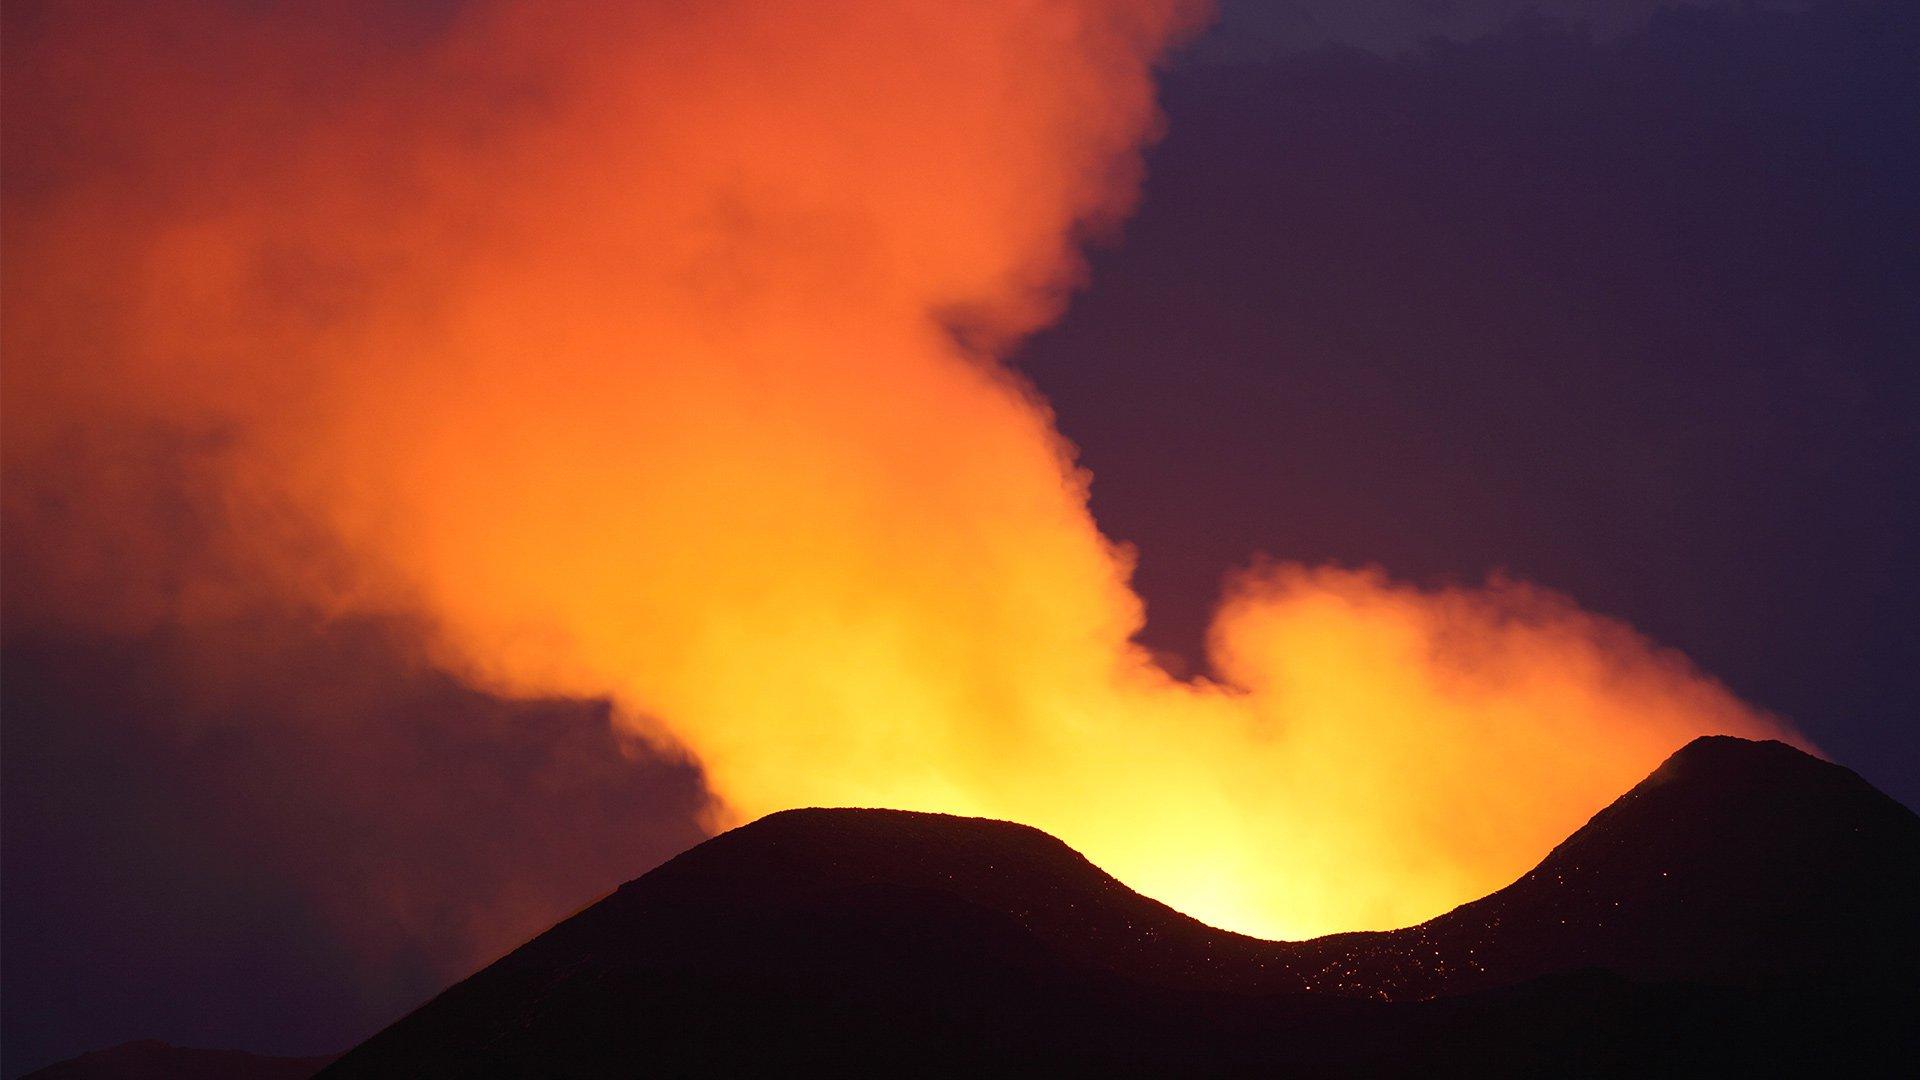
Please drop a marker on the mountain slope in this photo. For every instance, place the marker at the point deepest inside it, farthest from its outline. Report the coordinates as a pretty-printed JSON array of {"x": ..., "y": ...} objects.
[
  {"x": 150, "y": 1059},
  {"x": 1738, "y": 862},
  {"x": 1770, "y": 892}
]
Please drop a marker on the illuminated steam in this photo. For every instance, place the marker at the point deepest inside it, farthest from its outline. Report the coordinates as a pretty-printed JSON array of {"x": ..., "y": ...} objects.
[{"x": 651, "y": 350}]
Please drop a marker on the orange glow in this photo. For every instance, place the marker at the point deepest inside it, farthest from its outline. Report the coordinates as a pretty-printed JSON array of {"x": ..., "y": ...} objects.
[{"x": 620, "y": 340}]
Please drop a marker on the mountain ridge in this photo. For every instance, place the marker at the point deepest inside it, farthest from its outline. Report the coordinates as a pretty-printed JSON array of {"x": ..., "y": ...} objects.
[
  {"x": 1742, "y": 880},
  {"x": 152, "y": 1059}
]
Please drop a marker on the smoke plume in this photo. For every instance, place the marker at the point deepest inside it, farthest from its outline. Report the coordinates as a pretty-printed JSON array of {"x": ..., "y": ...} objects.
[{"x": 653, "y": 352}]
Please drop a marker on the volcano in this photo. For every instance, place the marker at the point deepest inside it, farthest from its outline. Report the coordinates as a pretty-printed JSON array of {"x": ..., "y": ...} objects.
[{"x": 1745, "y": 906}]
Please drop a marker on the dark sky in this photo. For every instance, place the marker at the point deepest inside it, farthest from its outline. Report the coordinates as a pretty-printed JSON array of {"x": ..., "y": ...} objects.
[
  {"x": 1628, "y": 311},
  {"x": 1636, "y": 318}
]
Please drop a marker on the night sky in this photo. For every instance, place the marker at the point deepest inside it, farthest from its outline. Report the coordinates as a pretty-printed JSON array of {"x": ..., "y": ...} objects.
[
  {"x": 1633, "y": 318},
  {"x": 1624, "y": 306}
]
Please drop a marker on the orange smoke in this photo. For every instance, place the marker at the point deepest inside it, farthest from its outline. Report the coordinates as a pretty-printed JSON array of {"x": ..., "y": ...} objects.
[{"x": 652, "y": 350}]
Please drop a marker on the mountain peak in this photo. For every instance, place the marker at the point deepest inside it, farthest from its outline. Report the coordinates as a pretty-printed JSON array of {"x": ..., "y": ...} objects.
[
  {"x": 1710, "y": 757},
  {"x": 1735, "y": 861},
  {"x": 1736, "y": 868}
]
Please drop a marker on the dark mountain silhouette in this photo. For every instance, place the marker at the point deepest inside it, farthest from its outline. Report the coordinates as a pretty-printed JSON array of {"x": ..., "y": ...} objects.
[
  {"x": 150, "y": 1059},
  {"x": 1746, "y": 906},
  {"x": 1736, "y": 862}
]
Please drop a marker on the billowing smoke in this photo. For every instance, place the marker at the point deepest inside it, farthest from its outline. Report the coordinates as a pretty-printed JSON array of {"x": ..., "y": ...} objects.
[{"x": 652, "y": 351}]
